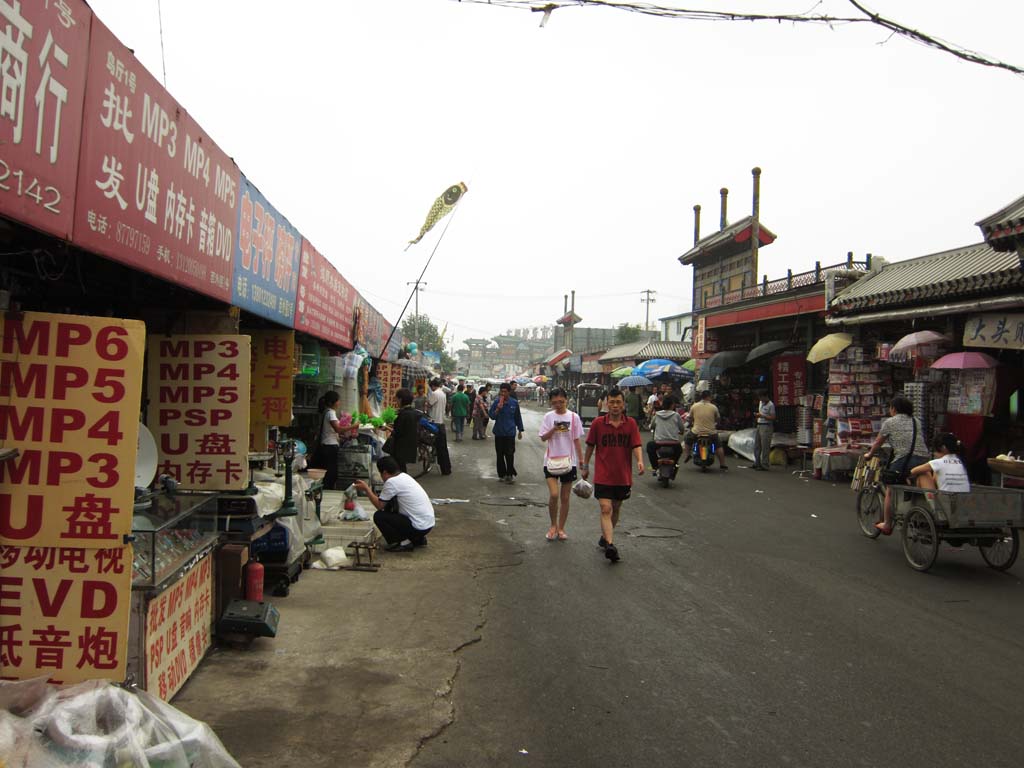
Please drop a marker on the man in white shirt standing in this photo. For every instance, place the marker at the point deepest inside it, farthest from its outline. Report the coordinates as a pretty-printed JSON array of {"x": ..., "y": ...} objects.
[
  {"x": 437, "y": 403},
  {"x": 765, "y": 430},
  {"x": 404, "y": 513}
]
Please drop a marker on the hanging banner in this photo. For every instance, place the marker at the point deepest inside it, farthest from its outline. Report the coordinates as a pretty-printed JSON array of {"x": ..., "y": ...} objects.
[
  {"x": 390, "y": 377},
  {"x": 64, "y": 613},
  {"x": 273, "y": 361},
  {"x": 325, "y": 299},
  {"x": 43, "y": 61},
  {"x": 995, "y": 330},
  {"x": 178, "y": 624},
  {"x": 199, "y": 409},
  {"x": 266, "y": 259},
  {"x": 789, "y": 379},
  {"x": 70, "y": 388},
  {"x": 154, "y": 191}
]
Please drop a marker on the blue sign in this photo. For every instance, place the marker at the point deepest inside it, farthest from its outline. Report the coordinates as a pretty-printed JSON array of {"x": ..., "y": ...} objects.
[{"x": 266, "y": 259}]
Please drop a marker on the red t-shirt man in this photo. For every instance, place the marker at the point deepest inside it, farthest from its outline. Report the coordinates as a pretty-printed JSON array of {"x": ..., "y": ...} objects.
[
  {"x": 615, "y": 439},
  {"x": 613, "y": 462}
]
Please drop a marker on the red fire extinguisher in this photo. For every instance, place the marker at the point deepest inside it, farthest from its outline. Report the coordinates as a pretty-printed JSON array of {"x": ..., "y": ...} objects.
[{"x": 254, "y": 581}]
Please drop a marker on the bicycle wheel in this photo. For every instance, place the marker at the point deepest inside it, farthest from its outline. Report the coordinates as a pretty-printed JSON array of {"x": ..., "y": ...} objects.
[
  {"x": 1002, "y": 553},
  {"x": 425, "y": 460},
  {"x": 920, "y": 539},
  {"x": 869, "y": 510}
]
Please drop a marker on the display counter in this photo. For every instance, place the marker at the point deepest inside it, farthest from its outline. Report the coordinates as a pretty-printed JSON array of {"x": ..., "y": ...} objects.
[{"x": 170, "y": 532}]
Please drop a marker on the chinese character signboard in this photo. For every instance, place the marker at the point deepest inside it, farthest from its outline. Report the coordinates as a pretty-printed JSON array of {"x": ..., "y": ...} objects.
[
  {"x": 266, "y": 258},
  {"x": 390, "y": 377},
  {"x": 789, "y": 379},
  {"x": 64, "y": 612},
  {"x": 70, "y": 389},
  {"x": 325, "y": 301},
  {"x": 178, "y": 630},
  {"x": 199, "y": 409},
  {"x": 996, "y": 330},
  {"x": 43, "y": 62},
  {"x": 273, "y": 358},
  {"x": 154, "y": 191},
  {"x": 371, "y": 327}
]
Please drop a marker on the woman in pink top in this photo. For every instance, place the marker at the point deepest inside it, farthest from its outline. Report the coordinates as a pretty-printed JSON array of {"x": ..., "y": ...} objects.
[{"x": 562, "y": 430}]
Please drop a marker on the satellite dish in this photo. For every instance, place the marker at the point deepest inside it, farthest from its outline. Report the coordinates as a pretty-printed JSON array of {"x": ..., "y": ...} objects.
[{"x": 145, "y": 458}]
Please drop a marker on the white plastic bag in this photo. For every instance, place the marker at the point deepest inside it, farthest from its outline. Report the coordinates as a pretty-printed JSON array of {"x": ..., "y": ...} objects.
[
  {"x": 334, "y": 557},
  {"x": 583, "y": 489}
]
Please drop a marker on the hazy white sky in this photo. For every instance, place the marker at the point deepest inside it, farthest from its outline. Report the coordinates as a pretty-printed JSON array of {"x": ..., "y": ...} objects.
[{"x": 586, "y": 144}]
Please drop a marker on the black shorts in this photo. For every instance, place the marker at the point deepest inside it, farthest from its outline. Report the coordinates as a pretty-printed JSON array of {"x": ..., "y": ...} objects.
[
  {"x": 568, "y": 477},
  {"x": 613, "y": 492}
]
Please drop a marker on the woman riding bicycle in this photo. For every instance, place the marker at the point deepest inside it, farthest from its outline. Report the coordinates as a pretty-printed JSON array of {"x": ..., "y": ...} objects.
[{"x": 906, "y": 437}]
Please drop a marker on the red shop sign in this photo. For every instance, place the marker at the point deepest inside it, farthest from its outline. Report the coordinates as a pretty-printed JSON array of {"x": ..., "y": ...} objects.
[
  {"x": 154, "y": 191},
  {"x": 43, "y": 55},
  {"x": 325, "y": 301}
]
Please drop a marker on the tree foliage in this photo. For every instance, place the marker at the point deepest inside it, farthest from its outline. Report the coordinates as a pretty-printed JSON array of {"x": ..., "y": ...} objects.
[
  {"x": 428, "y": 339},
  {"x": 626, "y": 333}
]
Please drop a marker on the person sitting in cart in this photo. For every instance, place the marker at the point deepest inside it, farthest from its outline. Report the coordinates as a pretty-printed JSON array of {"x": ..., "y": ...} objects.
[
  {"x": 946, "y": 472},
  {"x": 404, "y": 514}
]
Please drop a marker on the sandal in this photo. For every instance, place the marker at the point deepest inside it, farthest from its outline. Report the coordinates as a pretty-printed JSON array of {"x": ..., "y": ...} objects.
[
  {"x": 551, "y": 536},
  {"x": 563, "y": 536},
  {"x": 885, "y": 530}
]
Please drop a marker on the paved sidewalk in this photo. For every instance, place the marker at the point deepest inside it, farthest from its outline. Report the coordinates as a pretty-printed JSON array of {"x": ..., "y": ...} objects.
[{"x": 362, "y": 669}]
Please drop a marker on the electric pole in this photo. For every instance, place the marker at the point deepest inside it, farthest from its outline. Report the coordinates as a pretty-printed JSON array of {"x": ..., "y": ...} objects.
[
  {"x": 648, "y": 299},
  {"x": 419, "y": 287}
]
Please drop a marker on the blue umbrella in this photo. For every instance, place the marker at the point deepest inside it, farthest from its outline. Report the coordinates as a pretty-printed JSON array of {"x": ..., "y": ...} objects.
[
  {"x": 670, "y": 371},
  {"x": 634, "y": 381},
  {"x": 647, "y": 365}
]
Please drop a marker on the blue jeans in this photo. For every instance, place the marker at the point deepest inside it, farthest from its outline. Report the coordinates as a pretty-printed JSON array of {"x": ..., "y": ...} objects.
[{"x": 459, "y": 422}]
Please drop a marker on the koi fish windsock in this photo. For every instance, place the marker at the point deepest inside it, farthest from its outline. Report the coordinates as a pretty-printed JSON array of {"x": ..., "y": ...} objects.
[{"x": 441, "y": 208}]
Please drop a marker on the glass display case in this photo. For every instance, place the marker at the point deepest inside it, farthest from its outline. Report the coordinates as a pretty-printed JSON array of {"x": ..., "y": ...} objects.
[{"x": 170, "y": 532}]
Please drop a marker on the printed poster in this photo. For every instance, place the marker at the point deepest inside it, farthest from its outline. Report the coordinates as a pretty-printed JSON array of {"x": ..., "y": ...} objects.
[{"x": 199, "y": 409}]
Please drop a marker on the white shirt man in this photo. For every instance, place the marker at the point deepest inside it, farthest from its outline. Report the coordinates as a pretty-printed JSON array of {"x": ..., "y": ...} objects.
[
  {"x": 437, "y": 402},
  {"x": 406, "y": 521}
]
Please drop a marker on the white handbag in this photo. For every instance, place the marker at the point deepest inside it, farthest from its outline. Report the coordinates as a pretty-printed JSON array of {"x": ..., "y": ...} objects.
[{"x": 559, "y": 465}]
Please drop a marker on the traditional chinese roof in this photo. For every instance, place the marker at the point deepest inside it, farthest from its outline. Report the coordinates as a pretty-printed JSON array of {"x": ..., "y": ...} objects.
[
  {"x": 570, "y": 318},
  {"x": 649, "y": 350},
  {"x": 558, "y": 357},
  {"x": 973, "y": 270},
  {"x": 1002, "y": 229},
  {"x": 728, "y": 241}
]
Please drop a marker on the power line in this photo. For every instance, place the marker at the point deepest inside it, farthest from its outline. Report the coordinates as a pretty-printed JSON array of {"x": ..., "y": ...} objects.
[
  {"x": 648, "y": 299},
  {"x": 807, "y": 17}
]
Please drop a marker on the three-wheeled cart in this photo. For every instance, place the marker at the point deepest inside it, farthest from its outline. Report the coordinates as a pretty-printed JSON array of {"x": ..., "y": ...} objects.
[
  {"x": 587, "y": 398},
  {"x": 986, "y": 517}
]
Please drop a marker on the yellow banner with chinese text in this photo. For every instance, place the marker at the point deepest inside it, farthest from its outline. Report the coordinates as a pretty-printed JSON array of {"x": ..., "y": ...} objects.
[
  {"x": 199, "y": 409},
  {"x": 64, "y": 613},
  {"x": 70, "y": 393}
]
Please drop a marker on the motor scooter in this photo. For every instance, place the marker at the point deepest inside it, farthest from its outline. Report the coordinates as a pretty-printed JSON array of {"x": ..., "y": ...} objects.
[
  {"x": 704, "y": 452},
  {"x": 667, "y": 456}
]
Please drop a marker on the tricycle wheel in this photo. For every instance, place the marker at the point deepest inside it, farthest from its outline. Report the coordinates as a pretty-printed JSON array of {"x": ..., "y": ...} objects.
[
  {"x": 920, "y": 539},
  {"x": 1002, "y": 552},
  {"x": 869, "y": 511}
]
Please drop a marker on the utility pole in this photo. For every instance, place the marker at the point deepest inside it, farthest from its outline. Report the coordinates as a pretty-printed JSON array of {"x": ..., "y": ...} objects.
[
  {"x": 648, "y": 299},
  {"x": 416, "y": 291}
]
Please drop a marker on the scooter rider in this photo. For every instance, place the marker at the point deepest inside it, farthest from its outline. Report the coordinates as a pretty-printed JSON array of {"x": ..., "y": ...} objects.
[
  {"x": 704, "y": 415},
  {"x": 668, "y": 429}
]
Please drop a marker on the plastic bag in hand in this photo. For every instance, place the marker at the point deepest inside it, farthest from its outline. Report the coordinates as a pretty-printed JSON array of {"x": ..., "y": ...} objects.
[{"x": 583, "y": 489}]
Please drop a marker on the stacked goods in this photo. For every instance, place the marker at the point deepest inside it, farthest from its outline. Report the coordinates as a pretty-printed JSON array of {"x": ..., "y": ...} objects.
[
  {"x": 859, "y": 391},
  {"x": 805, "y": 420}
]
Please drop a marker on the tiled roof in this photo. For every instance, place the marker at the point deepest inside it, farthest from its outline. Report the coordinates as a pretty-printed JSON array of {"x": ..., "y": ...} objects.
[
  {"x": 737, "y": 231},
  {"x": 959, "y": 273},
  {"x": 649, "y": 350},
  {"x": 1004, "y": 225},
  {"x": 558, "y": 357}
]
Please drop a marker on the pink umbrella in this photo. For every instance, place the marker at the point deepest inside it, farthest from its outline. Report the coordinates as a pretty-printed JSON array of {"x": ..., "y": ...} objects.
[{"x": 963, "y": 360}]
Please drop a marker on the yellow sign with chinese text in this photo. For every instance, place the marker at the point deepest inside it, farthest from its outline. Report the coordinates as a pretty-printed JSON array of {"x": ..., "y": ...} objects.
[
  {"x": 178, "y": 624},
  {"x": 64, "y": 613},
  {"x": 995, "y": 330},
  {"x": 70, "y": 393},
  {"x": 273, "y": 361},
  {"x": 199, "y": 409}
]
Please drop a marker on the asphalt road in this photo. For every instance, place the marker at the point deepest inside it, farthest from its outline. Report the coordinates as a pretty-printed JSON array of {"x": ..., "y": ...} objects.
[{"x": 748, "y": 624}]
